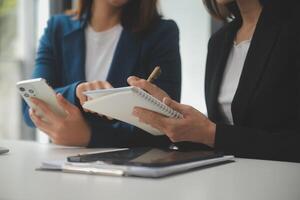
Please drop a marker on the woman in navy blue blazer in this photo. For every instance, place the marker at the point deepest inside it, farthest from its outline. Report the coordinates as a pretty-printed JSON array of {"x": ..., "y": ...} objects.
[{"x": 99, "y": 47}]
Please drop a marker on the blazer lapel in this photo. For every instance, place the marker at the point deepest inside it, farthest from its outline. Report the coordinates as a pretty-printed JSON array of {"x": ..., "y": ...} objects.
[
  {"x": 261, "y": 46},
  {"x": 217, "y": 77},
  {"x": 74, "y": 52},
  {"x": 125, "y": 59}
]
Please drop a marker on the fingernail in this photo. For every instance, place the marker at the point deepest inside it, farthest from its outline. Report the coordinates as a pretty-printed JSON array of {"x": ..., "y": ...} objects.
[
  {"x": 132, "y": 78},
  {"x": 129, "y": 80},
  {"x": 60, "y": 97},
  {"x": 31, "y": 112},
  {"x": 166, "y": 100}
]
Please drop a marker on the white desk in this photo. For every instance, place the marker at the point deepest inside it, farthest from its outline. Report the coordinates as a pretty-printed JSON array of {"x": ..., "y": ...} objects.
[{"x": 242, "y": 180}]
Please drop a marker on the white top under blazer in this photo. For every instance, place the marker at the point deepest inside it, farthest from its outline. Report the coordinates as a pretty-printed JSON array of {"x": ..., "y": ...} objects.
[
  {"x": 100, "y": 50},
  {"x": 231, "y": 78}
]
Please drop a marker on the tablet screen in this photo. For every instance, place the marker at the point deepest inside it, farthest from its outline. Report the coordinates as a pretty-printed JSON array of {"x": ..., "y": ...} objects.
[{"x": 147, "y": 157}]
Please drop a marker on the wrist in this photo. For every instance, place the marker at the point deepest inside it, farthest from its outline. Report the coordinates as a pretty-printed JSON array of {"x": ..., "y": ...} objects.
[
  {"x": 87, "y": 137},
  {"x": 211, "y": 134}
]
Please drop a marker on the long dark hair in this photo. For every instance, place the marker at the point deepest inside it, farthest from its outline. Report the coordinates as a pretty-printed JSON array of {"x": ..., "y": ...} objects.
[
  {"x": 137, "y": 15},
  {"x": 231, "y": 10}
]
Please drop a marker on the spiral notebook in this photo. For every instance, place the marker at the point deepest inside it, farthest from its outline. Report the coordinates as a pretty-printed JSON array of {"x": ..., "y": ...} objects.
[{"x": 118, "y": 103}]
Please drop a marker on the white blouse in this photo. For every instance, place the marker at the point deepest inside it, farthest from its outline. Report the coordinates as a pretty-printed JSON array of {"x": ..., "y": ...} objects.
[
  {"x": 231, "y": 78},
  {"x": 100, "y": 50}
]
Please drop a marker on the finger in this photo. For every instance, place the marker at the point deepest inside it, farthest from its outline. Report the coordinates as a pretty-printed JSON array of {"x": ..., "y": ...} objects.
[
  {"x": 109, "y": 118},
  {"x": 104, "y": 116},
  {"x": 89, "y": 111},
  {"x": 38, "y": 122},
  {"x": 169, "y": 126},
  {"x": 48, "y": 113},
  {"x": 103, "y": 85},
  {"x": 79, "y": 92},
  {"x": 92, "y": 86},
  {"x": 98, "y": 85},
  {"x": 132, "y": 79},
  {"x": 107, "y": 85},
  {"x": 66, "y": 105},
  {"x": 88, "y": 86},
  {"x": 136, "y": 81},
  {"x": 151, "y": 118},
  {"x": 145, "y": 85},
  {"x": 175, "y": 105}
]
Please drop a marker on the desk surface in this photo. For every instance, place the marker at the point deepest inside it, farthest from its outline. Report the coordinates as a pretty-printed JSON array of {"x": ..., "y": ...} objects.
[{"x": 245, "y": 179}]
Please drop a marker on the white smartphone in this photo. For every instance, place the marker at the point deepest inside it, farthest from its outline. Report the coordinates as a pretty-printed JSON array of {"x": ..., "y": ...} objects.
[{"x": 39, "y": 88}]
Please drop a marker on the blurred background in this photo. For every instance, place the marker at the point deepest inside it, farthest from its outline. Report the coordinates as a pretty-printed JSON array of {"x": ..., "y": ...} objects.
[{"x": 22, "y": 23}]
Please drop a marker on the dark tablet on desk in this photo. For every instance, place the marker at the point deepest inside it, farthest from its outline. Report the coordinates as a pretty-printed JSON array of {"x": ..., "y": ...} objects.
[{"x": 149, "y": 157}]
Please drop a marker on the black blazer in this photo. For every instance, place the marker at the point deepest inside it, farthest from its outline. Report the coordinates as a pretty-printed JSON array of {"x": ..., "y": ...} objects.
[{"x": 266, "y": 106}]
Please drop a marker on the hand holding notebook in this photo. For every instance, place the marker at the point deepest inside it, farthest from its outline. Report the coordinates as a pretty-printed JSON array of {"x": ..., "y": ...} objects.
[{"x": 118, "y": 103}]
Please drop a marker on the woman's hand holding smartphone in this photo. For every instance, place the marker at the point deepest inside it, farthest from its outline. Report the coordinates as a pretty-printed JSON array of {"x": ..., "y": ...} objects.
[{"x": 54, "y": 115}]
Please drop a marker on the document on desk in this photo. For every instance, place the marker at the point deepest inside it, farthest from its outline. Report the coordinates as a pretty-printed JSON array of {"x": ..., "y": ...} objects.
[
  {"x": 151, "y": 164},
  {"x": 99, "y": 168}
]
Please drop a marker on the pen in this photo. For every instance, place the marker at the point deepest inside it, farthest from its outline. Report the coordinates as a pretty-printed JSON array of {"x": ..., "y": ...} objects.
[{"x": 155, "y": 74}]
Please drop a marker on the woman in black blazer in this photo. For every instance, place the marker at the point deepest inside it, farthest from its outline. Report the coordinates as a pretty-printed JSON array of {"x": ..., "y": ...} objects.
[{"x": 265, "y": 106}]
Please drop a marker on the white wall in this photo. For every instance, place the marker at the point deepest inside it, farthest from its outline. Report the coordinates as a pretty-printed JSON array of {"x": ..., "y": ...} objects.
[{"x": 194, "y": 24}]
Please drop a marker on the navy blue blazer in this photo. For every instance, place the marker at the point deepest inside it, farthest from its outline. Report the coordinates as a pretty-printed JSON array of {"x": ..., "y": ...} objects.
[{"x": 61, "y": 61}]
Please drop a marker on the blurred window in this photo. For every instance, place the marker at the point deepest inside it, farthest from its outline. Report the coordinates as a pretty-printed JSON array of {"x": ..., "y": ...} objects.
[
  {"x": 9, "y": 69},
  {"x": 20, "y": 27}
]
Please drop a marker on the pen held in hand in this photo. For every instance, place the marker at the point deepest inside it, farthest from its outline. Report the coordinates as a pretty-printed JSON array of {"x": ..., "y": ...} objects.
[{"x": 155, "y": 74}]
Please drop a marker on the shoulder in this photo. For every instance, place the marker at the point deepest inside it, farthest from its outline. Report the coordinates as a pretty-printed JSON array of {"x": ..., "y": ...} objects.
[
  {"x": 63, "y": 23},
  {"x": 285, "y": 16},
  {"x": 220, "y": 36},
  {"x": 291, "y": 15},
  {"x": 163, "y": 29},
  {"x": 166, "y": 25}
]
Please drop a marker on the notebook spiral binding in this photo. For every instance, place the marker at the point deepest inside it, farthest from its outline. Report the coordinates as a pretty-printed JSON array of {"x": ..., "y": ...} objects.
[{"x": 163, "y": 107}]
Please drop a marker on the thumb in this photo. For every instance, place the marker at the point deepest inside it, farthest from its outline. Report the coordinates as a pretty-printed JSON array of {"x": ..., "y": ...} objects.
[
  {"x": 174, "y": 105},
  {"x": 66, "y": 105}
]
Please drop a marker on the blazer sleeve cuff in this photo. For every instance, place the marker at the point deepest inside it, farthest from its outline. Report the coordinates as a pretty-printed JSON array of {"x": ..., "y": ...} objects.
[
  {"x": 226, "y": 139},
  {"x": 239, "y": 141},
  {"x": 69, "y": 92}
]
